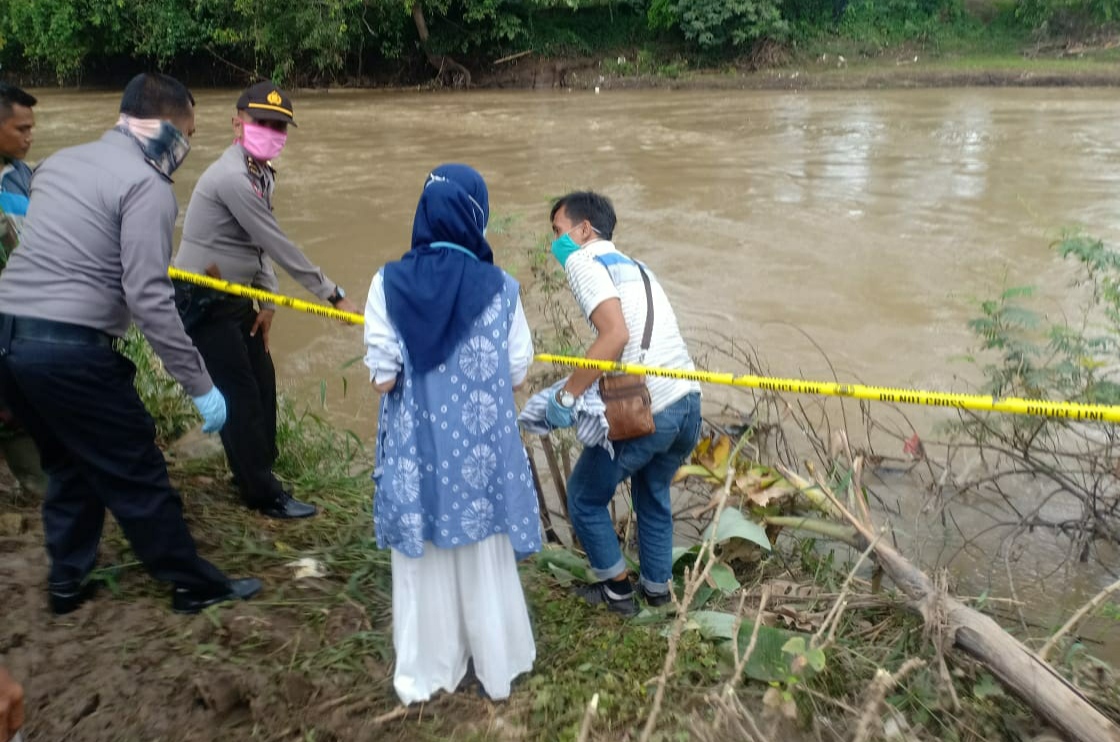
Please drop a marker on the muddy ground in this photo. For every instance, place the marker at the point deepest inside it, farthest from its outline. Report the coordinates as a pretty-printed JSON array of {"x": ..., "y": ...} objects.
[{"x": 123, "y": 668}]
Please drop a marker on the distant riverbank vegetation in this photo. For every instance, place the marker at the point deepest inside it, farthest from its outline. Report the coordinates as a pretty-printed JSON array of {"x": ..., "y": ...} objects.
[{"x": 464, "y": 42}]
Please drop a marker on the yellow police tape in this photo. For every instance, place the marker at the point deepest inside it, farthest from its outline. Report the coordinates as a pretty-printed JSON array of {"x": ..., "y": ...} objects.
[
  {"x": 249, "y": 292},
  {"x": 1012, "y": 405}
]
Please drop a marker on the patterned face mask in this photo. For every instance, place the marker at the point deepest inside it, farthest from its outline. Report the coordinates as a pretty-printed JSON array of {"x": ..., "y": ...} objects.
[{"x": 164, "y": 146}]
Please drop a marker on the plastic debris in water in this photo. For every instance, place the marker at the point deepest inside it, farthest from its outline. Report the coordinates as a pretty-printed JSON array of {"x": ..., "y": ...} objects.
[{"x": 913, "y": 446}]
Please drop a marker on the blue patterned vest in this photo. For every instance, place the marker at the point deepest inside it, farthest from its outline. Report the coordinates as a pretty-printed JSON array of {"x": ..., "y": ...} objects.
[{"x": 450, "y": 467}]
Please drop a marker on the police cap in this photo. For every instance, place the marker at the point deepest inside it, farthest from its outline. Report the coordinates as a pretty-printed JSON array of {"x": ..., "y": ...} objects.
[{"x": 265, "y": 101}]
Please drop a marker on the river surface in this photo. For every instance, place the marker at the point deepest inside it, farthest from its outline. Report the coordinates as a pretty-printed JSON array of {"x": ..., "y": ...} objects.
[{"x": 851, "y": 232}]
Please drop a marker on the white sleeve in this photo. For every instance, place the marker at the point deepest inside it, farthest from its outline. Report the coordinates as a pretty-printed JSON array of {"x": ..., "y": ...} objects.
[
  {"x": 520, "y": 345},
  {"x": 383, "y": 345}
]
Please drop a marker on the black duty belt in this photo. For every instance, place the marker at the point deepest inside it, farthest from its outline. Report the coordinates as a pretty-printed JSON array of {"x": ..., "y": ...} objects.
[{"x": 49, "y": 331}]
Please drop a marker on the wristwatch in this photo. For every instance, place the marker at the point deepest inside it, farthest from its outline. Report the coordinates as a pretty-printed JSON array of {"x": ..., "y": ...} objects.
[
  {"x": 566, "y": 399},
  {"x": 337, "y": 296}
]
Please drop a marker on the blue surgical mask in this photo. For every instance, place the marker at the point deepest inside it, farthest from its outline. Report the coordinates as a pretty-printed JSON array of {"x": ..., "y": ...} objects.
[{"x": 563, "y": 247}]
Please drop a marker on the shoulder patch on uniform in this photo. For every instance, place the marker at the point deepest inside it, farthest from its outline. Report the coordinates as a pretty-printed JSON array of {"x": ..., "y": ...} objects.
[{"x": 256, "y": 176}]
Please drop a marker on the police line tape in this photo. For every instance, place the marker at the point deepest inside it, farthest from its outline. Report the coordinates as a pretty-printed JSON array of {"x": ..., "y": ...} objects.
[
  {"x": 982, "y": 402},
  {"x": 248, "y": 292},
  {"x": 1012, "y": 405}
]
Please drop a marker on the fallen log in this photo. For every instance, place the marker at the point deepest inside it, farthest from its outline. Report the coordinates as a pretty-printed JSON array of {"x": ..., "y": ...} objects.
[{"x": 1033, "y": 680}]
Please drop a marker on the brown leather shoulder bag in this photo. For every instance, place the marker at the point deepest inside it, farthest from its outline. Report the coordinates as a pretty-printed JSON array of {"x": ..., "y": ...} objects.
[{"x": 626, "y": 396}]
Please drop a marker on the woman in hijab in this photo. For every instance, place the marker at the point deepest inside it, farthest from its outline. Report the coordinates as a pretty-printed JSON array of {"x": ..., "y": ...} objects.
[{"x": 446, "y": 344}]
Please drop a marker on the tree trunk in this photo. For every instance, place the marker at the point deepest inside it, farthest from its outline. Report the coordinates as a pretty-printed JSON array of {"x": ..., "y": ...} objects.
[{"x": 442, "y": 63}]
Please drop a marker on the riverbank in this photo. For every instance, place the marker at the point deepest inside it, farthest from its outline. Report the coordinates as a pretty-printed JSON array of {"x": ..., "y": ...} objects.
[
  {"x": 824, "y": 63},
  {"x": 837, "y": 64},
  {"x": 311, "y": 658}
]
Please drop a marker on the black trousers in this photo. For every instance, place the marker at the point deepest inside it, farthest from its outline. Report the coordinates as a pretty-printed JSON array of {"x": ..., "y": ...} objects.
[
  {"x": 243, "y": 371},
  {"x": 74, "y": 393}
]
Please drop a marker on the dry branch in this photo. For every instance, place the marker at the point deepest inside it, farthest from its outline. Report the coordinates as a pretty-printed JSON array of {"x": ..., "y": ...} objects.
[{"x": 1076, "y": 618}]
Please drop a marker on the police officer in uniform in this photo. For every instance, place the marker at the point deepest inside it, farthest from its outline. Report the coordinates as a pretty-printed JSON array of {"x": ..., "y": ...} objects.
[
  {"x": 231, "y": 232},
  {"x": 93, "y": 259}
]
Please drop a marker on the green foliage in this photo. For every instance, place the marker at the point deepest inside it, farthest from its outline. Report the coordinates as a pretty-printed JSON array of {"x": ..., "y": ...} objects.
[
  {"x": 168, "y": 404},
  {"x": 734, "y": 526},
  {"x": 1057, "y": 17},
  {"x": 885, "y": 22},
  {"x": 582, "y": 651},
  {"x": 327, "y": 40},
  {"x": 769, "y": 661},
  {"x": 63, "y": 32},
  {"x": 1035, "y": 359},
  {"x": 715, "y": 25}
]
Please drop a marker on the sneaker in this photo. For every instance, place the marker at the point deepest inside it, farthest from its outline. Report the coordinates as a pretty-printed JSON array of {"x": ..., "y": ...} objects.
[
  {"x": 600, "y": 593},
  {"x": 655, "y": 601}
]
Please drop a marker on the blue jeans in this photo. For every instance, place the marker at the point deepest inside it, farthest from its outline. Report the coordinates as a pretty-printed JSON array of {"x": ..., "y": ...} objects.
[{"x": 650, "y": 463}]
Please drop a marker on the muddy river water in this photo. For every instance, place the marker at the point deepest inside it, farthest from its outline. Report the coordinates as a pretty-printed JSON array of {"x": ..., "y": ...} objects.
[{"x": 857, "y": 229}]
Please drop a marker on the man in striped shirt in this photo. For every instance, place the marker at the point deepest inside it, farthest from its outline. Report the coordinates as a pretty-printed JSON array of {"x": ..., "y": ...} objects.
[{"x": 609, "y": 288}]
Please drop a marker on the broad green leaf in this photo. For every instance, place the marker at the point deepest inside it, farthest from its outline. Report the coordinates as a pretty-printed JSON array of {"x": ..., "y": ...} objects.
[
  {"x": 732, "y": 524},
  {"x": 565, "y": 560},
  {"x": 681, "y": 551},
  {"x": 563, "y": 576},
  {"x": 794, "y": 646},
  {"x": 714, "y": 624},
  {"x": 816, "y": 659},
  {"x": 767, "y": 662},
  {"x": 695, "y": 470},
  {"x": 724, "y": 578}
]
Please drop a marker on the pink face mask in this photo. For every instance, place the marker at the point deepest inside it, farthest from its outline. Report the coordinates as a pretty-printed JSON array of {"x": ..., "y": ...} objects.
[{"x": 262, "y": 142}]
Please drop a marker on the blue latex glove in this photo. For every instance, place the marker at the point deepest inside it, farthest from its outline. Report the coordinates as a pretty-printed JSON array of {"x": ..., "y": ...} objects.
[
  {"x": 558, "y": 415},
  {"x": 212, "y": 406}
]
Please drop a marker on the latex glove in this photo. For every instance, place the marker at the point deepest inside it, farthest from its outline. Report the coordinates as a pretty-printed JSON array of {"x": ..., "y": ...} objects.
[
  {"x": 212, "y": 406},
  {"x": 558, "y": 415}
]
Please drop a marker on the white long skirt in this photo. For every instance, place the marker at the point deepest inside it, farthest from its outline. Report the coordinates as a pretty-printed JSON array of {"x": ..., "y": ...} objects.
[{"x": 452, "y": 605}]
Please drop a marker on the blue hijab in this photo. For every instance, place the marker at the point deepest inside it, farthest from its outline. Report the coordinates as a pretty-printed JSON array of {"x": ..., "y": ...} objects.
[{"x": 437, "y": 289}]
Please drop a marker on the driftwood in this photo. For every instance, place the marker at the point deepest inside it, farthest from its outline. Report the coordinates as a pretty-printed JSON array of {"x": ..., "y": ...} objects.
[{"x": 1035, "y": 682}]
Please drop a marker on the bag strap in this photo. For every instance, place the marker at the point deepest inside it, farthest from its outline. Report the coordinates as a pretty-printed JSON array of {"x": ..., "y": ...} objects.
[{"x": 647, "y": 333}]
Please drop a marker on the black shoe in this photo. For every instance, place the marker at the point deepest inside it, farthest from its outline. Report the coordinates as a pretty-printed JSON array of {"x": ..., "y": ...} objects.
[
  {"x": 188, "y": 601},
  {"x": 67, "y": 600},
  {"x": 655, "y": 601},
  {"x": 600, "y": 593},
  {"x": 287, "y": 507}
]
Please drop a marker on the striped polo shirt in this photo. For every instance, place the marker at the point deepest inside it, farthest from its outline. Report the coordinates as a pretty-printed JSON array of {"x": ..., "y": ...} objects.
[{"x": 597, "y": 272}]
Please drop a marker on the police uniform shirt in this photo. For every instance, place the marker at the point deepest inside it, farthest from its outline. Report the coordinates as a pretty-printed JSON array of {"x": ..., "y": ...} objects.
[
  {"x": 95, "y": 248},
  {"x": 230, "y": 224}
]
